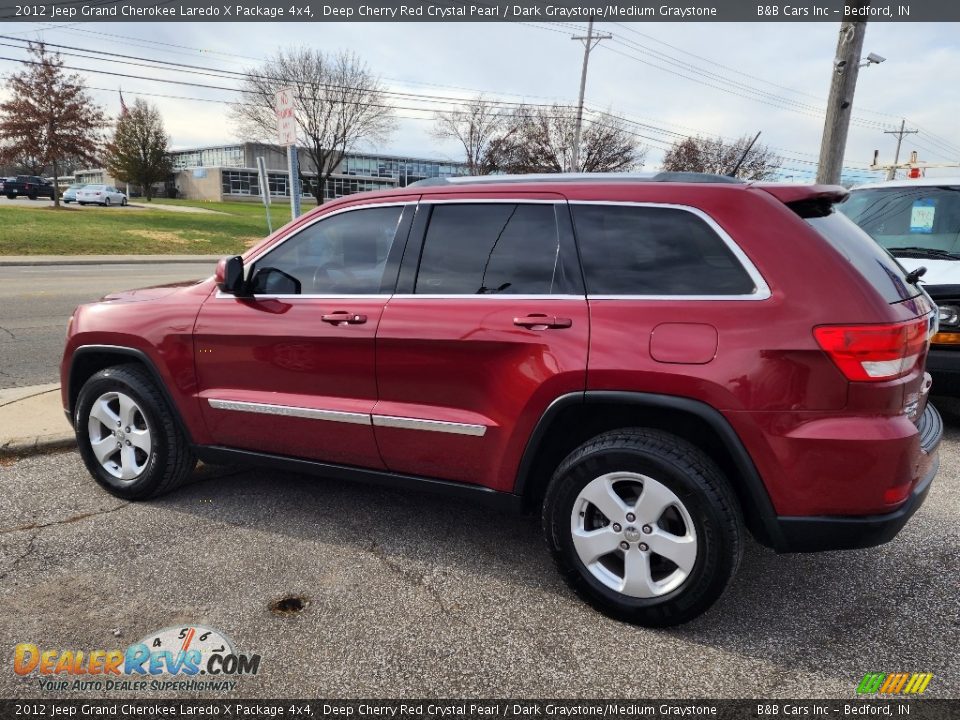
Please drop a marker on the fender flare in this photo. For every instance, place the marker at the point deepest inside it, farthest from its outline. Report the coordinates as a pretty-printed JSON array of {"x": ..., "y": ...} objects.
[
  {"x": 760, "y": 516},
  {"x": 139, "y": 355}
]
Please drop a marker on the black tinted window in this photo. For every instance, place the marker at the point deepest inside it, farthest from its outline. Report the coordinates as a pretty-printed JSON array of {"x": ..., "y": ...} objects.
[
  {"x": 345, "y": 254},
  {"x": 872, "y": 261},
  {"x": 490, "y": 248},
  {"x": 629, "y": 250}
]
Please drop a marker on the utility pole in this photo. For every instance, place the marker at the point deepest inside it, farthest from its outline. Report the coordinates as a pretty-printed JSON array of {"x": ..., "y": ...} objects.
[
  {"x": 590, "y": 41},
  {"x": 846, "y": 68},
  {"x": 892, "y": 172}
]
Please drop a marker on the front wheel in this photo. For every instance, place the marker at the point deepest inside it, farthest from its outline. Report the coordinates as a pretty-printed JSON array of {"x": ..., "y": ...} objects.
[
  {"x": 128, "y": 436},
  {"x": 643, "y": 525}
]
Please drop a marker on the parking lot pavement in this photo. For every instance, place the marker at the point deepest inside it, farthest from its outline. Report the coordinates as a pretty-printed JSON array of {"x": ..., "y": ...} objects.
[{"x": 411, "y": 595}]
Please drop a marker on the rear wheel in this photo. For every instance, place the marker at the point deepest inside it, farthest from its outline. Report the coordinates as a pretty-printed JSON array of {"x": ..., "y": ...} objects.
[
  {"x": 643, "y": 525},
  {"x": 106, "y": 202},
  {"x": 31, "y": 197},
  {"x": 123, "y": 202},
  {"x": 128, "y": 436}
]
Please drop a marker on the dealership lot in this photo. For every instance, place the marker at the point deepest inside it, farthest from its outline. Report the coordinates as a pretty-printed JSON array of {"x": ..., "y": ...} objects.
[{"x": 421, "y": 596}]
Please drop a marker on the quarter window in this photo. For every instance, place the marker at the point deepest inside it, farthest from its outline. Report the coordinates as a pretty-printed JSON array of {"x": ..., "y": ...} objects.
[
  {"x": 345, "y": 254},
  {"x": 635, "y": 250},
  {"x": 490, "y": 248}
]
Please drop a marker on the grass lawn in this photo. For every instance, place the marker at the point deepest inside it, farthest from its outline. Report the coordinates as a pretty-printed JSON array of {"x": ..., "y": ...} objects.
[{"x": 104, "y": 231}]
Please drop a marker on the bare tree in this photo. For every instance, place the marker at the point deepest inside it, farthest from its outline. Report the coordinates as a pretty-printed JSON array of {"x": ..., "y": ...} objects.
[
  {"x": 48, "y": 118},
  {"x": 475, "y": 125},
  {"x": 138, "y": 153},
  {"x": 713, "y": 155},
  {"x": 338, "y": 104},
  {"x": 540, "y": 139}
]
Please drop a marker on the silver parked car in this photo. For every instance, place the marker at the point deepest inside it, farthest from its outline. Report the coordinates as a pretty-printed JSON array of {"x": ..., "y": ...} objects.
[
  {"x": 101, "y": 195},
  {"x": 70, "y": 194}
]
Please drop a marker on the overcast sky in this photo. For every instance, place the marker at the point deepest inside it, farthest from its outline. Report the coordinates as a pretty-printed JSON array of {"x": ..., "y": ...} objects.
[{"x": 790, "y": 63}]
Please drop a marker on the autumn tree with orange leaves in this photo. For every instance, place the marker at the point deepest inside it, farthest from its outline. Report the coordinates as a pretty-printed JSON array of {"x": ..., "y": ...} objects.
[{"x": 49, "y": 116}]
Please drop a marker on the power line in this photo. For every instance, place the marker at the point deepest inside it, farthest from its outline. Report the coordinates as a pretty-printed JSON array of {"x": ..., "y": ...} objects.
[{"x": 416, "y": 97}]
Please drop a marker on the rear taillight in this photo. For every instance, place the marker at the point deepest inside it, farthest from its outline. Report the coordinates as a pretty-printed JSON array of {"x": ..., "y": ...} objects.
[{"x": 871, "y": 353}]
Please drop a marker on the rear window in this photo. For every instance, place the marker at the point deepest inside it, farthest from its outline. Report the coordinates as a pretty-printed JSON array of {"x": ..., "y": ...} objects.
[
  {"x": 874, "y": 263},
  {"x": 917, "y": 217}
]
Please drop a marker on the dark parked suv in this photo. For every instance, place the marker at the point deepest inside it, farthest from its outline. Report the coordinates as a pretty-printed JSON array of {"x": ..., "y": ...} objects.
[{"x": 653, "y": 363}]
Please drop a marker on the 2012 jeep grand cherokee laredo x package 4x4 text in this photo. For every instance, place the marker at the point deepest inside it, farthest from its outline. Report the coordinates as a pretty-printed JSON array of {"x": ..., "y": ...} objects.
[{"x": 653, "y": 363}]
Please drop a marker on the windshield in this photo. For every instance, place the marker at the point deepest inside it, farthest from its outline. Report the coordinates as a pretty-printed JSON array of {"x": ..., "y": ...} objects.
[{"x": 921, "y": 217}]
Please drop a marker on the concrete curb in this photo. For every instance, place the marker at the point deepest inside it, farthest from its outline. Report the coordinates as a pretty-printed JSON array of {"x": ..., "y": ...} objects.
[
  {"x": 32, "y": 421},
  {"x": 27, "y": 260},
  {"x": 18, "y": 448}
]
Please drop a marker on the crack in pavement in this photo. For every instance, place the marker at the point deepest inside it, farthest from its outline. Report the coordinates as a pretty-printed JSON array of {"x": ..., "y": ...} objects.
[
  {"x": 8, "y": 332},
  {"x": 65, "y": 521},
  {"x": 16, "y": 562},
  {"x": 417, "y": 581}
]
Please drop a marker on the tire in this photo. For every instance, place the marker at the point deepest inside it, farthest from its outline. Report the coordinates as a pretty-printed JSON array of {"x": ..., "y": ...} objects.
[
  {"x": 31, "y": 197},
  {"x": 81, "y": 203},
  {"x": 106, "y": 202},
  {"x": 123, "y": 202},
  {"x": 133, "y": 472},
  {"x": 701, "y": 526}
]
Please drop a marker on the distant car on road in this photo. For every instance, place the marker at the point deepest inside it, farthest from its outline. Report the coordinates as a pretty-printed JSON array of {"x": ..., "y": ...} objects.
[
  {"x": 105, "y": 195},
  {"x": 32, "y": 186},
  {"x": 70, "y": 194}
]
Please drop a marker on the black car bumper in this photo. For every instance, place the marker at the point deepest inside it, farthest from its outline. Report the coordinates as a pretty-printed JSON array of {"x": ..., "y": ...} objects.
[
  {"x": 815, "y": 534},
  {"x": 944, "y": 367}
]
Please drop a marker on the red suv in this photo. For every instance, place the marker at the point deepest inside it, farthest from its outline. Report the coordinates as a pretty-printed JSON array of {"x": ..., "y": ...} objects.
[{"x": 654, "y": 363}]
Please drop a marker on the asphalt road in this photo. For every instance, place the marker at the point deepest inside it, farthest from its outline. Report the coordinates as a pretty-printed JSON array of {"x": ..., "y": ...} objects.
[
  {"x": 416, "y": 596},
  {"x": 36, "y": 302}
]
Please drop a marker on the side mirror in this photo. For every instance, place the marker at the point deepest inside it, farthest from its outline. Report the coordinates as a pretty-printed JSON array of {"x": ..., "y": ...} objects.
[{"x": 229, "y": 275}]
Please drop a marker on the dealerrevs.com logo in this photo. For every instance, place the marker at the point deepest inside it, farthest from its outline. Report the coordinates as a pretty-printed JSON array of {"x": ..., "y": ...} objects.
[
  {"x": 900, "y": 683},
  {"x": 175, "y": 658}
]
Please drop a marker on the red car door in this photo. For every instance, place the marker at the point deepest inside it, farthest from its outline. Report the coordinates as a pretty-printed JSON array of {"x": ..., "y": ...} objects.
[
  {"x": 488, "y": 326},
  {"x": 290, "y": 370}
]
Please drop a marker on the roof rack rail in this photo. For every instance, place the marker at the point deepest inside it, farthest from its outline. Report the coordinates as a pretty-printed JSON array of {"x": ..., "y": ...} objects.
[{"x": 678, "y": 177}]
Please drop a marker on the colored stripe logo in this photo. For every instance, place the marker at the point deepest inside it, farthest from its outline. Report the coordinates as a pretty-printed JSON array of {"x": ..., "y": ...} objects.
[{"x": 894, "y": 683}]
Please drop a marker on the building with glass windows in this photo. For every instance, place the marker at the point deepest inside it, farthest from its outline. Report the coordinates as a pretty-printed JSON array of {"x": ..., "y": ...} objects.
[{"x": 229, "y": 172}]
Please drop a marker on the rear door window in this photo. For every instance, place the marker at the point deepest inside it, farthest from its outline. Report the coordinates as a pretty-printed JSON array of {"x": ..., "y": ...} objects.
[
  {"x": 491, "y": 248},
  {"x": 656, "y": 251}
]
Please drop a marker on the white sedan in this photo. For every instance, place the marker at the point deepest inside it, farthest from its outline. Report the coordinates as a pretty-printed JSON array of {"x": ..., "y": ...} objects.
[{"x": 101, "y": 195}]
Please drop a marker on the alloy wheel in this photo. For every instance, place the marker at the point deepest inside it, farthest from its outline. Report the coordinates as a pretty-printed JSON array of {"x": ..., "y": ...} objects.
[
  {"x": 634, "y": 534},
  {"x": 119, "y": 435}
]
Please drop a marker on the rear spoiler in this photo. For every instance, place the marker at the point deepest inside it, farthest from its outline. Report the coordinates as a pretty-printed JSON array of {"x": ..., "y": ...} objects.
[{"x": 806, "y": 200}]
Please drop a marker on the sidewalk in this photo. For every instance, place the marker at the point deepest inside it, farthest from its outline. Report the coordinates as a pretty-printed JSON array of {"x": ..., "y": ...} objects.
[
  {"x": 32, "y": 420},
  {"x": 15, "y": 260}
]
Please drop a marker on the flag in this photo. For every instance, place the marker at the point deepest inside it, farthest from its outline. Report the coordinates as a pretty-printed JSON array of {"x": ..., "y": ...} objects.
[{"x": 123, "y": 105}]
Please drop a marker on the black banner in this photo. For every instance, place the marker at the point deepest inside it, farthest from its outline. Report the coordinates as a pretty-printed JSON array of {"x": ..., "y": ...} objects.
[
  {"x": 914, "y": 709},
  {"x": 478, "y": 10}
]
